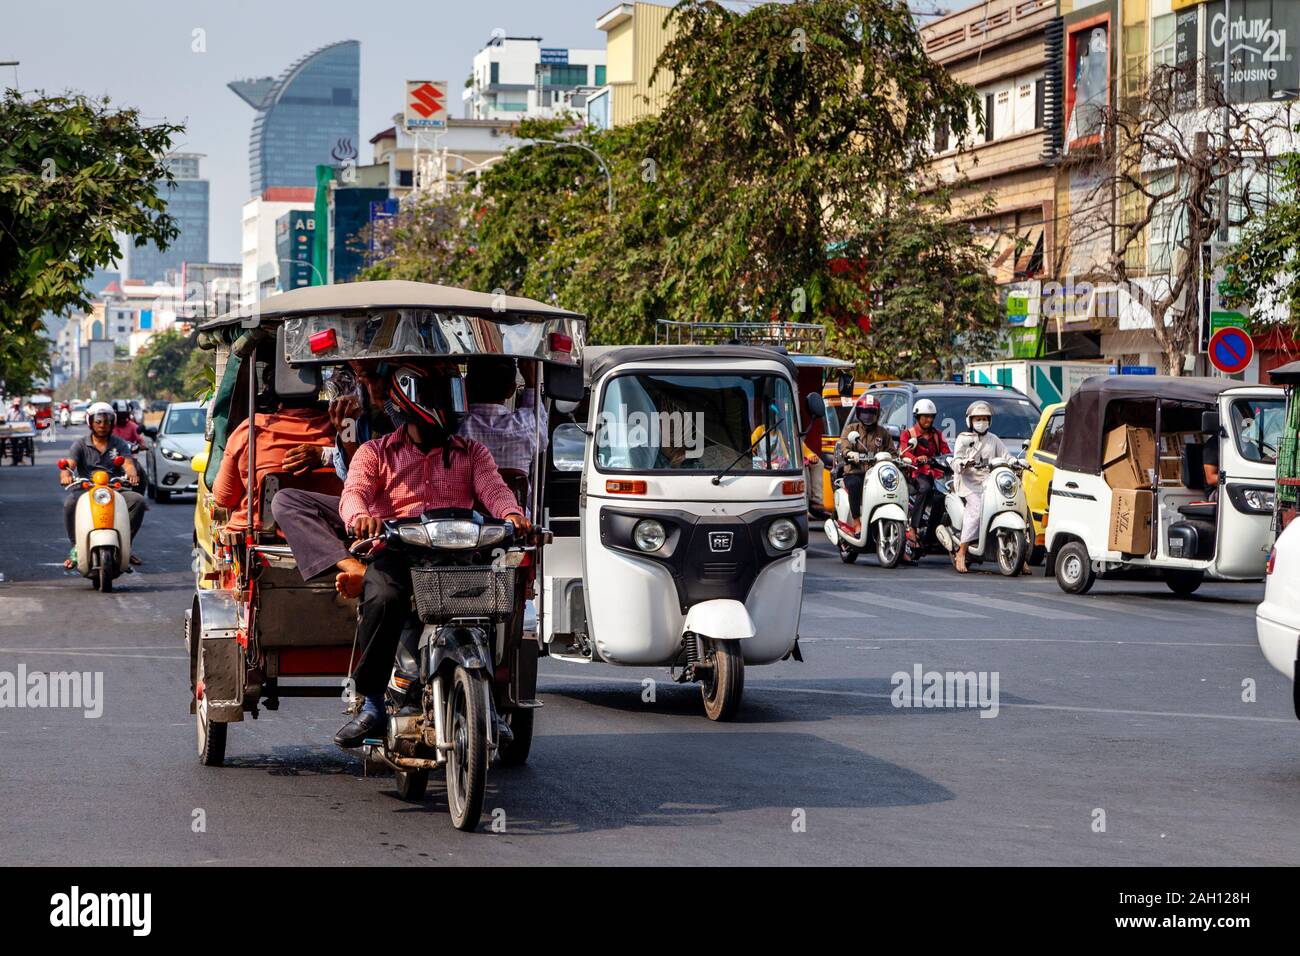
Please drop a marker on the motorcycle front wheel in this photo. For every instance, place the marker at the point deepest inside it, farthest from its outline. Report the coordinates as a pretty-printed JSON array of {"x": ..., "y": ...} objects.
[
  {"x": 1011, "y": 552},
  {"x": 467, "y": 721},
  {"x": 889, "y": 542},
  {"x": 102, "y": 561}
]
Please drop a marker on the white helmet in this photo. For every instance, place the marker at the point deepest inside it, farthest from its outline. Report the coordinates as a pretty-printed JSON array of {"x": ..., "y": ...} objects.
[
  {"x": 978, "y": 408},
  {"x": 924, "y": 406},
  {"x": 100, "y": 408}
]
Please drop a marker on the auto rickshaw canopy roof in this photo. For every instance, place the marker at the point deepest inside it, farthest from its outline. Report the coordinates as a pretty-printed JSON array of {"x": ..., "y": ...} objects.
[
  {"x": 602, "y": 359},
  {"x": 1085, "y": 412},
  {"x": 1288, "y": 374},
  {"x": 397, "y": 318}
]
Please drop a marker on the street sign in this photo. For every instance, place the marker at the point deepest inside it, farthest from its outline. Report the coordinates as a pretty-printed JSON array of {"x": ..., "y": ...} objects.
[
  {"x": 1226, "y": 320},
  {"x": 1231, "y": 350},
  {"x": 426, "y": 105},
  {"x": 1138, "y": 370}
]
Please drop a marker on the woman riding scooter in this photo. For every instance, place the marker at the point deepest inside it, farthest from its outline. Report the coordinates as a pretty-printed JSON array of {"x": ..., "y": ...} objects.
[
  {"x": 976, "y": 447},
  {"x": 921, "y": 445}
]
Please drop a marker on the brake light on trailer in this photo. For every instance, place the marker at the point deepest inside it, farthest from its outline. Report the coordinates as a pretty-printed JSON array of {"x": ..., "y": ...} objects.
[
  {"x": 322, "y": 340},
  {"x": 559, "y": 342},
  {"x": 623, "y": 487}
]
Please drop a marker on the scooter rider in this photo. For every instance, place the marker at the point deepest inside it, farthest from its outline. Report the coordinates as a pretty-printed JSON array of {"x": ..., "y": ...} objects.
[
  {"x": 921, "y": 445},
  {"x": 976, "y": 448},
  {"x": 97, "y": 452},
  {"x": 872, "y": 439}
]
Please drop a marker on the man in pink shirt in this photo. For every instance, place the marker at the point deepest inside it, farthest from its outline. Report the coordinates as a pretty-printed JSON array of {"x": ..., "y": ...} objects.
[{"x": 421, "y": 466}]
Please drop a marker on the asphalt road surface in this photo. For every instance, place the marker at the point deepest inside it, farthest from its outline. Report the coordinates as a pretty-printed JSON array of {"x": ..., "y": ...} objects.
[{"x": 1124, "y": 708}]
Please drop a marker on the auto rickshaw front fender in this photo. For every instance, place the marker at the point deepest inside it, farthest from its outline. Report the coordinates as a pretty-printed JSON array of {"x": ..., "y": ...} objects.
[{"x": 721, "y": 619}]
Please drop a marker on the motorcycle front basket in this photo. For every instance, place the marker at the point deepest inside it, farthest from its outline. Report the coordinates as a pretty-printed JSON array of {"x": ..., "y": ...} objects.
[{"x": 445, "y": 594}]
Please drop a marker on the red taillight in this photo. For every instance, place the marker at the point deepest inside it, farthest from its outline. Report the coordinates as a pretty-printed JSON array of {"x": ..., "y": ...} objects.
[
  {"x": 1272, "y": 559},
  {"x": 561, "y": 342},
  {"x": 794, "y": 487},
  {"x": 322, "y": 340}
]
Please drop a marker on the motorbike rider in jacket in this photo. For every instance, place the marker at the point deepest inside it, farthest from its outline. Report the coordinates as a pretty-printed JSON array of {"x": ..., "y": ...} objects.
[
  {"x": 976, "y": 448},
  {"x": 872, "y": 439},
  {"x": 921, "y": 445}
]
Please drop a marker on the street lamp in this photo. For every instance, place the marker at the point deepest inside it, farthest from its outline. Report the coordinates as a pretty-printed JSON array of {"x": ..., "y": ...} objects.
[{"x": 562, "y": 144}]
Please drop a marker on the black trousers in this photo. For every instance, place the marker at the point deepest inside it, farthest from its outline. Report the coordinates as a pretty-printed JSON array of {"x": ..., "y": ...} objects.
[
  {"x": 853, "y": 486},
  {"x": 922, "y": 494},
  {"x": 385, "y": 609},
  {"x": 135, "y": 506}
]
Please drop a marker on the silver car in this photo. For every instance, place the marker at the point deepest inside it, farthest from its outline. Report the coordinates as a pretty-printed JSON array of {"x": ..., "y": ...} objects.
[{"x": 177, "y": 440}]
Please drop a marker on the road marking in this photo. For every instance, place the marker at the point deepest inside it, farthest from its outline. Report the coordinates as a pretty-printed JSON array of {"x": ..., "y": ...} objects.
[
  {"x": 1252, "y": 646},
  {"x": 912, "y": 607},
  {"x": 1113, "y": 604},
  {"x": 1065, "y": 708},
  {"x": 46, "y": 650},
  {"x": 1016, "y": 607}
]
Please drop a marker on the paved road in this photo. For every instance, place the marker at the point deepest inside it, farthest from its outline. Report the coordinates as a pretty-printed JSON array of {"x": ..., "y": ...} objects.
[{"x": 1127, "y": 701}]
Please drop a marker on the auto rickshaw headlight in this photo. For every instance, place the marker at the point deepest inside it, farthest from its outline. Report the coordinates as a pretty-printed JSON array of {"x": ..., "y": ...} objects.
[
  {"x": 101, "y": 496},
  {"x": 888, "y": 477},
  {"x": 1006, "y": 483},
  {"x": 782, "y": 534},
  {"x": 649, "y": 535},
  {"x": 1258, "y": 500}
]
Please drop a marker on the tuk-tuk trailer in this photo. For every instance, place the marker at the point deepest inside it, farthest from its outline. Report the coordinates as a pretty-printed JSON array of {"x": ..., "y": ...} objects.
[
  {"x": 1131, "y": 493},
  {"x": 256, "y": 632}
]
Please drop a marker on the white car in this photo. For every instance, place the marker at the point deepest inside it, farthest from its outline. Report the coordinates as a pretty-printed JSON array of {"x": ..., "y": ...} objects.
[
  {"x": 177, "y": 440},
  {"x": 1277, "y": 620}
]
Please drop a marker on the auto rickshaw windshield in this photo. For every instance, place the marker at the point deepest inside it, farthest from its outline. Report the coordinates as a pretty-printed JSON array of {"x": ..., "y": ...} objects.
[
  {"x": 1258, "y": 425},
  {"x": 674, "y": 421}
]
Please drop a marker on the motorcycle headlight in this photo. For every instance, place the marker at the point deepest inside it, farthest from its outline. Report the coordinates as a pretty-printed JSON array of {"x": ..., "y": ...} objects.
[
  {"x": 452, "y": 533},
  {"x": 649, "y": 535},
  {"x": 1007, "y": 483},
  {"x": 782, "y": 534},
  {"x": 888, "y": 477},
  {"x": 171, "y": 454},
  {"x": 414, "y": 534},
  {"x": 101, "y": 496}
]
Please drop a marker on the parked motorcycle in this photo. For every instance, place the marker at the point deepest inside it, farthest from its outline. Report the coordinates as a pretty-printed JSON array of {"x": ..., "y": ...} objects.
[
  {"x": 1003, "y": 525},
  {"x": 103, "y": 525},
  {"x": 883, "y": 514}
]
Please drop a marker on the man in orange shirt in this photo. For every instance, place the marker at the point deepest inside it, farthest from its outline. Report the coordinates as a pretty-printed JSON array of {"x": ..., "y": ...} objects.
[{"x": 278, "y": 433}]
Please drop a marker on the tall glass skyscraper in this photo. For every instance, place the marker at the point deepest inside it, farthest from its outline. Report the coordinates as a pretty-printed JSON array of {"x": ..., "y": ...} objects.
[
  {"x": 308, "y": 116},
  {"x": 187, "y": 202}
]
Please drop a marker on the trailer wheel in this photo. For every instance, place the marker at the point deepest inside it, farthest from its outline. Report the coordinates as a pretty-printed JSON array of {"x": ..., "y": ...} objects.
[{"x": 211, "y": 734}]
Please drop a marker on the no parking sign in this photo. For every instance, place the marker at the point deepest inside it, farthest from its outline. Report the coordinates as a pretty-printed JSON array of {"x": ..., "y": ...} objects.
[{"x": 1231, "y": 350}]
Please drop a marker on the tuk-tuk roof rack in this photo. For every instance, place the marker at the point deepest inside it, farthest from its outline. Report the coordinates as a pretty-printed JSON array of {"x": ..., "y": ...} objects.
[{"x": 794, "y": 336}]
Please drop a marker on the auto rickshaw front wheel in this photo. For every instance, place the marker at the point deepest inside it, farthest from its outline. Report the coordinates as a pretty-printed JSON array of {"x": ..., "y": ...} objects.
[
  {"x": 1184, "y": 583},
  {"x": 724, "y": 684}
]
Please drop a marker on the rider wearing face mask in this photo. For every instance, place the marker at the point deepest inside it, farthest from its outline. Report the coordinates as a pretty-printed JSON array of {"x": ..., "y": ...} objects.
[
  {"x": 976, "y": 448},
  {"x": 872, "y": 439},
  {"x": 421, "y": 466}
]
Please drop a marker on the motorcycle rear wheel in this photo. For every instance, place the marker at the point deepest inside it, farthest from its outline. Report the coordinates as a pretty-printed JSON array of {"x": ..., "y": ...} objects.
[
  {"x": 411, "y": 784},
  {"x": 848, "y": 553}
]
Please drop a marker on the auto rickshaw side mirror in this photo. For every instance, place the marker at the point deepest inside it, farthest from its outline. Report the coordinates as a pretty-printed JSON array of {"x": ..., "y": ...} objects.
[
  {"x": 816, "y": 405},
  {"x": 569, "y": 447},
  {"x": 563, "y": 383},
  {"x": 200, "y": 462},
  {"x": 845, "y": 385},
  {"x": 1210, "y": 423}
]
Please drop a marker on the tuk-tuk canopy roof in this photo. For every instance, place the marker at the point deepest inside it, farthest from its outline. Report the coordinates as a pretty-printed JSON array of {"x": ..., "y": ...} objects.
[
  {"x": 1085, "y": 412},
  {"x": 600, "y": 360},
  {"x": 389, "y": 294},
  {"x": 1288, "y": 374}
]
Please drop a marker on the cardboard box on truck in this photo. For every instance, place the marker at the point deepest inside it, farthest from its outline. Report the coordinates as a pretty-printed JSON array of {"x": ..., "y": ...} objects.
[
  {"x": 1130, "y": 521},
  {"x": 1128, "y": 457}
]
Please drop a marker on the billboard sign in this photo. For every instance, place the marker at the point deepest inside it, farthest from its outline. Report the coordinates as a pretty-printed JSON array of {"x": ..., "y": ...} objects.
[
  {"x": 1261, "y": 37},
  {"x": 426, "y": 105},
  {"x": 1087, "y": 80}
]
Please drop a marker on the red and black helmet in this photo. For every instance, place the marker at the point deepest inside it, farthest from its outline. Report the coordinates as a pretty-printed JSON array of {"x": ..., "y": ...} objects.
[
  {"x": 868, "y": 403},
  {"x": 434, "y": 396}
]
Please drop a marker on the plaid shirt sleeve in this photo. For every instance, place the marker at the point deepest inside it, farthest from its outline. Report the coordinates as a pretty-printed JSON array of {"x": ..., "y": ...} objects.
[
  {"x": 358, "y": 490},
  {"x": 495, "y": 495}
]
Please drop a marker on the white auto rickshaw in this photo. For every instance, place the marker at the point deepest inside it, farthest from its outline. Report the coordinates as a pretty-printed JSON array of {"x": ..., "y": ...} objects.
[
  {"x": 1132, "y": 494},
  {"x": 683, "y": 542}
]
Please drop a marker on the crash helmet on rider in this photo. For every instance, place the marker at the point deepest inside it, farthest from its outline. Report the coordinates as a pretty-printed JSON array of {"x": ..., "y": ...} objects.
[
  {"x": 430, "y": 396},
  {"x": 100, "y": 408},
  {"x": 867, "y": 410},
  {"x": 979, "y": 415},
  {"x": 924, "y": 406}
]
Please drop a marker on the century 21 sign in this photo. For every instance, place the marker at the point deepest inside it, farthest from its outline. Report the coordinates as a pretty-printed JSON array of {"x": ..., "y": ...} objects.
[{"x": 1258, "y": 40}]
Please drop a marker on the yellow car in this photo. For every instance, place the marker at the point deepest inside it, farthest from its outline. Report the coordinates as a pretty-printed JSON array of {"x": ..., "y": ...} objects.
[
  {"x": 1041, "y": 452},
  {"x": 838, "y": 407}
]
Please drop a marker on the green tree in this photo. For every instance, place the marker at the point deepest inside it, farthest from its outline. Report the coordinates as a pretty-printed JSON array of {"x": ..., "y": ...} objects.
[
  {"x": 159, "y": 368},
  {"x": 72, "y": 173},
  {"x": 1262, "y": 269}
]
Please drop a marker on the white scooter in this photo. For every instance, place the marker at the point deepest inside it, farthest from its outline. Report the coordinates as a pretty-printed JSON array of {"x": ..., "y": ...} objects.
[
  {"x": 884, "y": 515},
  {"x": 1004, "y": 523},
  {"x": 103, "y": 526}
]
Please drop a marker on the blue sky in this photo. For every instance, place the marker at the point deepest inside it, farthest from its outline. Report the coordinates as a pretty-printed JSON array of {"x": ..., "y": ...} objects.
[{"x": 139, "y": 52}]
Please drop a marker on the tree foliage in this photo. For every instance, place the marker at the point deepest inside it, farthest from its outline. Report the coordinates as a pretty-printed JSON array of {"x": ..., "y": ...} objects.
[
  {"x": 1263, "y": 266},
  {"x": 73, "y": 172},
  {"x": 788, "y": 129}
]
